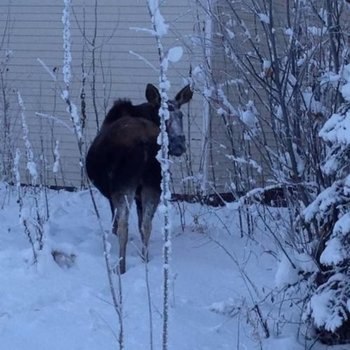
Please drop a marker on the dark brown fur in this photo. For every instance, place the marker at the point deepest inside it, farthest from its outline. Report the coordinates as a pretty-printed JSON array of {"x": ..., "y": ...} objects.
[{"x": 121, "y": 162}]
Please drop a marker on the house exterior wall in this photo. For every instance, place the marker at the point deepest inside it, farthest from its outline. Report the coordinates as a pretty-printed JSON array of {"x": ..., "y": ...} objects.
[
  {"x": 230, "y": 147},
  {"x": 111, "y": 59}
]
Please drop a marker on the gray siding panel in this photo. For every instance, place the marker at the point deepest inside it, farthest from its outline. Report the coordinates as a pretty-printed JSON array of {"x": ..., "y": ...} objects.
[{"x": 34, "y": 31}]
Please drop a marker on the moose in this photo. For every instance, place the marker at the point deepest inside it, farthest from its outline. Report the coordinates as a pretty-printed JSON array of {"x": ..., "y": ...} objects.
[{"x": 121, "y": 161}]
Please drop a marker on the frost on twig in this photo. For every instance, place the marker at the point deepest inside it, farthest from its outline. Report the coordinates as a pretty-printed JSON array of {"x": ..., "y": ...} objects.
[
  {"x": 57, "y": 156},
  {"x": 31, "y": 166},
  {"x": 67, "y": 72},
  {"x": 31, "y": 213},
  {"x": 160, "y": 28},
  {"x": 67, "y": 59}
]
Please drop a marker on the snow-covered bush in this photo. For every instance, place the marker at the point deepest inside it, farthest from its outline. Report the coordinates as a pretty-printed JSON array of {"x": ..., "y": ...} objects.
[
  {"x": 272, "y": 84},
  {"x": 329, "y": 217},
  {"x": 283, "y": 98},
  {"x": 32, "y": 202}
]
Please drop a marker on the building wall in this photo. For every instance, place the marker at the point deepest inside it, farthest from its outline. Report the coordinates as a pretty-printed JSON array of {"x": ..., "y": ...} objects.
[
  {"x": 230, "y": 148},
  {"x": 110, "y": 60},
  {"x": 119, "y": 67}
]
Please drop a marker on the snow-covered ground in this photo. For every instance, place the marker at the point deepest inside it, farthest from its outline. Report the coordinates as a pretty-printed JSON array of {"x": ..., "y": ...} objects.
[{"x": 220, "y": 281}]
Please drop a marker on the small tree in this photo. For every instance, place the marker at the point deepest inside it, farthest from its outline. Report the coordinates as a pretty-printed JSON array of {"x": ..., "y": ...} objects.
[
  {"x": 329, "y": 306},
  {"x": 7, "y": 152},
  {"x": 159, "y": 29},
  {"x": 276, "y": 77}
]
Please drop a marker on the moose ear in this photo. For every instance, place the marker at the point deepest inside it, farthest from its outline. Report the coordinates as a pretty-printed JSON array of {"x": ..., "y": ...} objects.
[
  {"x": 152, "y": 95},
  {"x": 184, "y": 95}
]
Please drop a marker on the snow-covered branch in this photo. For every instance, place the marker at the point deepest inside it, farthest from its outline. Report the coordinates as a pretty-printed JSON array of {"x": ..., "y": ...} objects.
[
  {"x": 31, "y": 165},
  {"x": 160, "y": 28}
]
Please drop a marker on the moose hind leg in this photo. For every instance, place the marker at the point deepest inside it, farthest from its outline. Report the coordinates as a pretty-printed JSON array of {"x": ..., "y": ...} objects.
[
  {"x": 114, "y": 217},
  {"x": 138, "y": 201},
  {"x": 150, "y": 201},
  {"x": 122, "y": 202}
]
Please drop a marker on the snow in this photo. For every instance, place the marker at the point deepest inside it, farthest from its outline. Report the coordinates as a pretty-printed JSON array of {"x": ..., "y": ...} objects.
[
  {"x": 175, "y": 54},
  {"x": 56, "y": 152},
  {"x": 324, "y": 200},
  {"x": 249, "y": 118},
  {"x": 67, "y": 59},
  {"x": 230, "y": 33},
  {"x": 31, "y": 166},
  {"x": 337, "y": 129},
  {"x": 230, "y": 110},
  {"x": 345, "y": 89},
  {"x": 310, "y": 101},
  {"x": 240, "y": 160},
  {"x": 266, "y": 64},
  {"x": 143, "y": 59},
  {"x": 66, "y": 303},
  {"x": 317, "y": 31},
  {"x": 161, "y": 27},
  {"x": 321, "y": 306},
  {"x": 286, "y": 274},
  {"x": 335, "y": 252},
  {"x": 330, "y": 77},
  {"x": 289, "y": 31},
  {"x": 47, "y": 69},
  {"x": 264, "y": 18},
  {"x": 67, "y": 72},
  {"x": 328, "y": 304}
]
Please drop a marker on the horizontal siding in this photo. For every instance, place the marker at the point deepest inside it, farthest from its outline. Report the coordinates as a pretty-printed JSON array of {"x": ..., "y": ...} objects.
[
  {"x": 224, "y": 69},
  {"x": 35, "y": 31}
]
